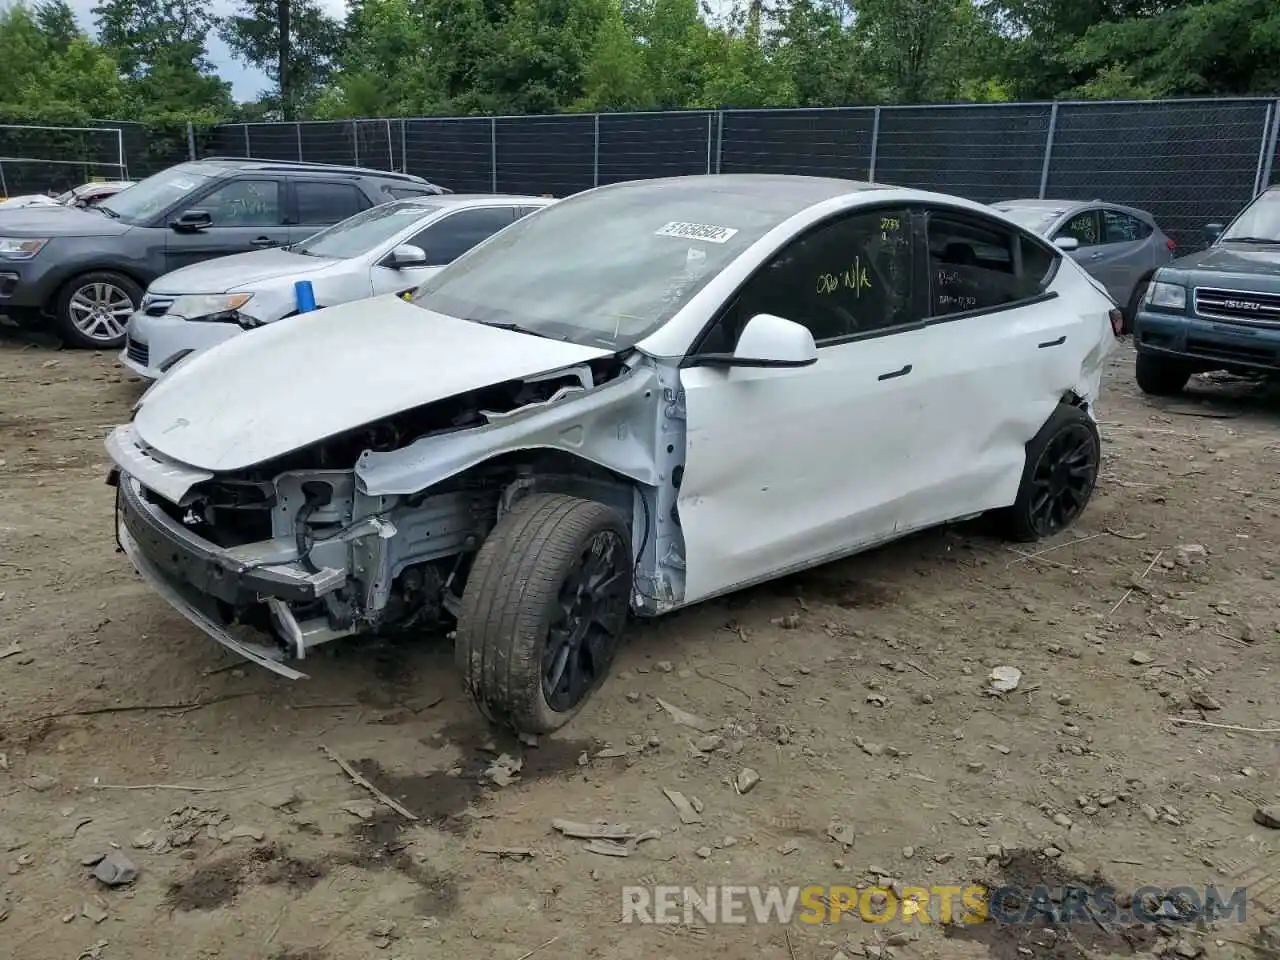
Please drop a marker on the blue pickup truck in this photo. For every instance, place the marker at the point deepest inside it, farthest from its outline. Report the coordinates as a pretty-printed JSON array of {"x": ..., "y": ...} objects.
[{"x": 1217, "y": 309}]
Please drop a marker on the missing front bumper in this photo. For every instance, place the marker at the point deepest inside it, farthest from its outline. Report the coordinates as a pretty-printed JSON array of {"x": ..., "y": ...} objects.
[
  {"x": 195, "y": 577},
  {"x": 262, "y": 655}
]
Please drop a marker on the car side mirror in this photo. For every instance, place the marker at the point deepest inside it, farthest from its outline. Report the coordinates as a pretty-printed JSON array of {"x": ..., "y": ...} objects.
[
  {"x": 406, "y": 255},
  {"x": 1212, "y": 231},
  {"x": 189, "y": 221},
  {"x": 1066, "y": 243},
  {"x": 767, "y": 341}
]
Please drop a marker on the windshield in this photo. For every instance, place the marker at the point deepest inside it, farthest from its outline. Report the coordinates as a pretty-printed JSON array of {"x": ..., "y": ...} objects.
[
  {"x": 1260, "y": 222},
  {"x": 605, "y": 268},
  {"x": 154, "y": 195},
  {"x": 366, "y": 230},
  {"x": 1036, "y": 219}
]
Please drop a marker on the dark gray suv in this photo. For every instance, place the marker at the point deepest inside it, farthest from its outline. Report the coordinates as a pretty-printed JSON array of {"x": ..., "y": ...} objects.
[{"x": 85, "y": 270}]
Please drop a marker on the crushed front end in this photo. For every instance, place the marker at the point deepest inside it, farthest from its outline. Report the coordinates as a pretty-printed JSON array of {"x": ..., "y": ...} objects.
[{"x": 299, "y": 555}]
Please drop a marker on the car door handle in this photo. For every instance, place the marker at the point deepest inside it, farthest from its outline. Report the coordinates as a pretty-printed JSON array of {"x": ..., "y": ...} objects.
[
  {"x": 1054, "y": 343},
  {"x": 897, "y": 373},
  {"x": 264, "y": 242},
  {"x": 1096, "y": 256}
]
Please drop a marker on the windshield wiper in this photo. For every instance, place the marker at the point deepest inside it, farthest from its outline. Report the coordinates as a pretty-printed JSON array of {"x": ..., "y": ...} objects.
[
  {"x": 515, "y": 327},
  {"x": 1266, "y": 240},
  {"x": 108, "y": 211}
]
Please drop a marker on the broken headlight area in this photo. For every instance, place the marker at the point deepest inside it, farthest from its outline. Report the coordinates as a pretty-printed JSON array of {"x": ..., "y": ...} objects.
[
  {"x": 306, "y": 559},
  {"x": 210, "y": 308}
]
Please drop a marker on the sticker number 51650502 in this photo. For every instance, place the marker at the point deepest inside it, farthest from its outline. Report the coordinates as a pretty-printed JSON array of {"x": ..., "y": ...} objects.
[{"x": 696, "y": 231}]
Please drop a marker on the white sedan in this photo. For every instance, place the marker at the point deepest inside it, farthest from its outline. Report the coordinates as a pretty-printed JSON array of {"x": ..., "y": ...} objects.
[
  {"x": 389, "y": 248},
  {"x": 647, "y": 395},
  {"x": 85, "y": 195}
]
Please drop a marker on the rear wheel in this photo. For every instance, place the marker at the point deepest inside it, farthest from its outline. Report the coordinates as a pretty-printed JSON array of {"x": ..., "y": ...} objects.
[
  {"x": 1058, "y": 478},
  {"x": 93, "y": 310},
  {"x": 1160, "y": 376},
  {"x": 544, "y": 610}
]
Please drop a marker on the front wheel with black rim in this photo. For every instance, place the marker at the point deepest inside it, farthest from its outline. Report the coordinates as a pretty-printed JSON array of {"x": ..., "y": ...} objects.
[
  {"x": 544, "y": 610},
  {"x": 93, "y": 310},
  {"x": 1058, "y": 478}
]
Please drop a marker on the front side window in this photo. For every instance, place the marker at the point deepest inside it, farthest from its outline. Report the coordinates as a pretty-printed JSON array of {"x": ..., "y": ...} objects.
[
  {"x": 976, "y": 264},
  {"x": 243, "y": 203},
  {"x": 1083, "y": 227},
  {"x": 1259, "y": 223},
  {"x": 845, "y": 278},
  {"x": 448, "y": 239}
]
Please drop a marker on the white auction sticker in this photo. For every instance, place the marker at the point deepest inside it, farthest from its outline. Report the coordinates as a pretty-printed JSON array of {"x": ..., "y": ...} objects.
[{"x": 696, "y": 231}]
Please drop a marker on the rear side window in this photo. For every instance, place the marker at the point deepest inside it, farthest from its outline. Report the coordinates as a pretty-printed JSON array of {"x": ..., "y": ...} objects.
[
  {"x": 1119, "y": 227},
  {"x": 324, "y": 203},
  {"x": 977, "y": 264},
  {"x": 446, "y": 240}
]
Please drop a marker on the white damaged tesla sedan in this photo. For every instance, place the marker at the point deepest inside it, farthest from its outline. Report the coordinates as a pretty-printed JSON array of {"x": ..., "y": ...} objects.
[{"x": 647, "y": 395}]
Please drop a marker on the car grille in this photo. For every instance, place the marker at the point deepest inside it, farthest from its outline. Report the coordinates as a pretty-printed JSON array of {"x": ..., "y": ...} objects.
[
  {"x": 139, "y": 353},
  {"x": 154, "y": 306},
  {"x": 1238, "y": 306}
]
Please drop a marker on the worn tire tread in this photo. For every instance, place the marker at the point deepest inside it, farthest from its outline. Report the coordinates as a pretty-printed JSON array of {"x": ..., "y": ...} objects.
[{"x": 506, "y": 605}]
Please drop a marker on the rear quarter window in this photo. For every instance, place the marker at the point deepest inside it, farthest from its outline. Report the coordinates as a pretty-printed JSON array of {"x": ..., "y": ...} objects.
[
  {"x": 1039, "y": 264},
  {"x": 973, "y": 267}
]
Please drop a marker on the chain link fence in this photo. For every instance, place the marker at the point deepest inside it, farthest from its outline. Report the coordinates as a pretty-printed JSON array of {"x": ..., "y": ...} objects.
[
  {"x": 1186, "y": 161},
  {"x": 48, "y": 159}
]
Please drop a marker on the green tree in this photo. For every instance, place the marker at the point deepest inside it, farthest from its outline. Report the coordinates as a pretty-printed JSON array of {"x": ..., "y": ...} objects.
[
  {"x": 159, "y": 46},
  {"x": 57, "y": 21},
  {"x": 1220, "y": 47},
  {"x": 294, "y": 42},
  {"x": 924, "y": 50}
]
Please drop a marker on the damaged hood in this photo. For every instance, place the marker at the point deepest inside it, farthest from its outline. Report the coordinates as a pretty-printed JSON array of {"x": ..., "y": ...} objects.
[{"x": 292, "y": 383}]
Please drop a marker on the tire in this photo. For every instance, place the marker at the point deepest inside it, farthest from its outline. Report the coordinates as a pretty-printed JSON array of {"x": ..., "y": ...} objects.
[
  {"x": 90, "y": 310},
  {"x": 514, "y": 610},
  {"x": 1058, "y": 478},
  {"x": 1160, "y": 377},
  {"x": 1130, "y": 313}
]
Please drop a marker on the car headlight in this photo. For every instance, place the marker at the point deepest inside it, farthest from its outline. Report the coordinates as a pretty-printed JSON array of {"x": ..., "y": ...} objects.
[
  {"x": 1168, "y": 296},
  {"x": 20, "y": 248},
  {"x": 214, "y": 308}
]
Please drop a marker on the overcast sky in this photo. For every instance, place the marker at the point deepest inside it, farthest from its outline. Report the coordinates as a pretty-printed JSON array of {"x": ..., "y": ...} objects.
[{"x": 246, "y": 83}]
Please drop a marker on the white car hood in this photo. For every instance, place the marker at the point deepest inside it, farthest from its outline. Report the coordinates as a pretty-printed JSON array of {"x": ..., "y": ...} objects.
[
  {"x": 28, "y": 200},
  {"x": 281, "y": 387},
  {"x": 223, "y": 274}
]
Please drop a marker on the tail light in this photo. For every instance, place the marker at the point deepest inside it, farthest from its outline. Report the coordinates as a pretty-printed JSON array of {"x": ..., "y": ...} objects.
[
  {"x": 1171, "y": 243},
  {"x": 1117, "y": 322}
]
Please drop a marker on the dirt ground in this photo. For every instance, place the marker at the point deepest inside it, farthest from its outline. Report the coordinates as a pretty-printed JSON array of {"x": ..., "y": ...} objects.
[{"x": 857, "y": 692}]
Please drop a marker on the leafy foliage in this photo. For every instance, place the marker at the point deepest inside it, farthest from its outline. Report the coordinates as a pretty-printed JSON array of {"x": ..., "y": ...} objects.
[{"x": 147, "y": 59}]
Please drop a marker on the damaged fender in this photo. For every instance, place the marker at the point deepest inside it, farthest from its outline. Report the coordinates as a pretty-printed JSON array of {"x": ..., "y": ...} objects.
[{"x": 614, "y": 425}]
